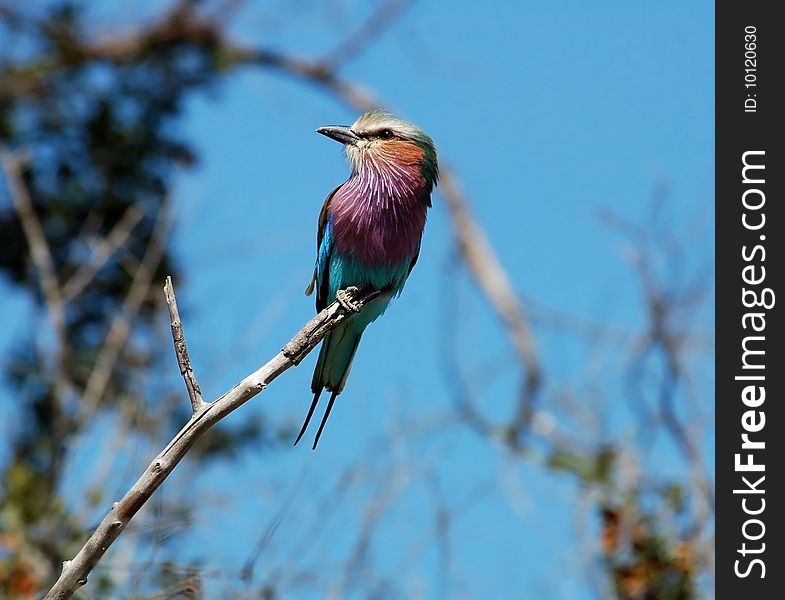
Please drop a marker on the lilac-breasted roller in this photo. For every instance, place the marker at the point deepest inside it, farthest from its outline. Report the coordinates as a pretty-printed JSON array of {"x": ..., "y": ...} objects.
[{"x": 369, "y": 235}]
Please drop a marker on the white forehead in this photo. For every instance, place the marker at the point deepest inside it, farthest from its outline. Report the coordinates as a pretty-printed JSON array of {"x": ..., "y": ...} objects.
[{"x": 376, "y": 120}]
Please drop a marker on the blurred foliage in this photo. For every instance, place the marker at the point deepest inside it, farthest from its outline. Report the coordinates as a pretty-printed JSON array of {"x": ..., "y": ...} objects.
[
  {"x": 98, "y": 135},
  {"x": 644, "y": 554},
  {"x": 646, "y": 564},
  {"x": 95, "y": 124}
]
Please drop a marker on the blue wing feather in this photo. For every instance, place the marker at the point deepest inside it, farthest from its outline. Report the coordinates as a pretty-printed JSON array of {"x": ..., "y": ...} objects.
[{"x": 322, "y": 274}]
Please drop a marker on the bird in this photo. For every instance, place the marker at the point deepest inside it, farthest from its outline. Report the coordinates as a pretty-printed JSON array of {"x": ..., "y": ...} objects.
[{"x": 368, "y": 237}]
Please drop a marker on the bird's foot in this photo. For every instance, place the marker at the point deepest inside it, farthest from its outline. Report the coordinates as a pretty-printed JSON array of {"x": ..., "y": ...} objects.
[{"x": 345, "y": 298}]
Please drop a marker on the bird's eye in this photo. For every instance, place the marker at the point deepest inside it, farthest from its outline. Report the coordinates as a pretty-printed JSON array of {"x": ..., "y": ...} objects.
[{"x": 385, "y": 134}]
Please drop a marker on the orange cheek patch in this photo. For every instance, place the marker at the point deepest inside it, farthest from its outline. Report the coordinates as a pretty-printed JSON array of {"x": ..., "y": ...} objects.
[{"x": 404, "y": 152}]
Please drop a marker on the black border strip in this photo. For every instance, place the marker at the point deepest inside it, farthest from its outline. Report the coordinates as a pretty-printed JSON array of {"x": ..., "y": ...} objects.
[{"x": 750, "y": 259}]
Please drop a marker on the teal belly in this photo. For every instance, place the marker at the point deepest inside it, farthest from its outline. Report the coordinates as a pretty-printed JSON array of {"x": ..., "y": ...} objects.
[{"x": 345, "y": 272}]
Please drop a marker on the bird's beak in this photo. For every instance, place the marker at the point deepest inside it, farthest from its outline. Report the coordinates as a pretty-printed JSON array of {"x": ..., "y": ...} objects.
[{"x": 340, "y": 133}]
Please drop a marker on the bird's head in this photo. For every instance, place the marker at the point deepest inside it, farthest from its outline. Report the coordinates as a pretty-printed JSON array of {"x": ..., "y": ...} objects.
[{"x": 382, "y": 142}]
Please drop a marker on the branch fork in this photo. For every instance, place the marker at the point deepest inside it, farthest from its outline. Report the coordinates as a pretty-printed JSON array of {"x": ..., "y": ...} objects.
[{"x": 204, "y": 416}]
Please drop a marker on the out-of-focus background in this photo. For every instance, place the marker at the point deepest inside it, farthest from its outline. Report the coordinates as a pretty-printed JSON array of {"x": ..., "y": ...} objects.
[{"x": 532, "y": 418}]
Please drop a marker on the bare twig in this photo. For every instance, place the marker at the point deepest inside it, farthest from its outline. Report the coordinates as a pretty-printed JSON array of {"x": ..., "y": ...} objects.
[
  {"x": 96, "y": 385},
  {"x": 40, "y": 254},
  {"x": 41, "y": 257},
  {"x": 669, "y": 342},
  {"x": 189, "y": 588},
  {"x": 181, "y": 350},
  {"x": 103, "y": 251},
  {"x": 183, "y": 23},
  {"x": 491, "y": 278},
  {"x": 266, "y": 537},
  {"x": 386, "y": 494},
  {"x": 75, "y": 571},
  {"x": 663, "y": 300},
  {"x": 380, "y": 19}
]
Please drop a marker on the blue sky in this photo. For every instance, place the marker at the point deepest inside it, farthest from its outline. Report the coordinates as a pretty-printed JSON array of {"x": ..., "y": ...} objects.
[{"x": 549, "y": 112}]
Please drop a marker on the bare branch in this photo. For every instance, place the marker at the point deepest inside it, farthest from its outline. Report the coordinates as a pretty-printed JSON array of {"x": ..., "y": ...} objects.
[
  {"x": 41, "y": 257},
  {"x": 382, "y": 17},
  {"x": 491, "y": 278},
  {"x": 121, "y": 325},
  {"x": 75, "y": 571},
  {"x": 266, "y": 537},
  {"x": 36, "y": 240},
  {"x": 183, "y": 23},
  {"x": 103, "y": 251},
  {"x": 315, "y": 72},
  {"x": 181, "y": 350}
]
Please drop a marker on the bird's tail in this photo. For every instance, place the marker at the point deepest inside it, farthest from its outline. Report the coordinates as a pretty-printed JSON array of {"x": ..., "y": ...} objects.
[{"x": 332, "y": 369}]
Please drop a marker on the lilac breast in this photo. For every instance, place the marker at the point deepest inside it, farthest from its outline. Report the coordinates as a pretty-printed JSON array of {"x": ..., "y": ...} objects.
[{"x": 378, "y": 218}]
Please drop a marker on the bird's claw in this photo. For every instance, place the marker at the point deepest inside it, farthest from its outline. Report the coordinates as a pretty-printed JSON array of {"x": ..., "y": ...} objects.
[{"x": 345, "y": 298}]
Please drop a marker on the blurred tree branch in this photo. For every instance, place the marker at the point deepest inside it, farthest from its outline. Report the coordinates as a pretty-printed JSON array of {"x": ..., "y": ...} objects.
[
  {"x": 39, "y": 247},
  {"x": 204, "y": 416},
  {"x": 104, "y": 249},
  {"x": 183, "y": 23},
  {"x": 645, "y": 553},
  {"x": 120, "y": 328}
]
